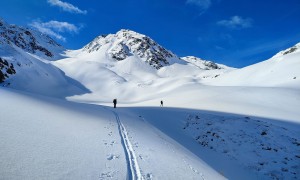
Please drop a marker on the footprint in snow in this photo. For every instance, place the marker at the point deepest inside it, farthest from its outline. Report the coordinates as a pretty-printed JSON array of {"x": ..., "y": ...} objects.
[
  {"x": 149, "y": 176},
  {"x": 112, "y": 143},
  {"x": 109, "y": 174},
  {"x": 141, "y": 157},
  {"x": 112, "y": 157}
]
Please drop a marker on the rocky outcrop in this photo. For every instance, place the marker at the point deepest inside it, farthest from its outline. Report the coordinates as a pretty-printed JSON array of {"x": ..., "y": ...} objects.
[{"x": 6, "y": 69}]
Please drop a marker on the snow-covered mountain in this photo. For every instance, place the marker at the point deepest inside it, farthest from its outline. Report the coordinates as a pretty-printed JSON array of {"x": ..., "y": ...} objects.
[
  {"x": 127, "y": 43},
  {"x": 127, "y": 59},
  {"x": 128, "y": 64}
]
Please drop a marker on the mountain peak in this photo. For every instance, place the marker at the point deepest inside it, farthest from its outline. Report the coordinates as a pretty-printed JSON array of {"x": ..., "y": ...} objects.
[
  {"x": 126, "y": 43},
  {"x": 128, "y": 33}
]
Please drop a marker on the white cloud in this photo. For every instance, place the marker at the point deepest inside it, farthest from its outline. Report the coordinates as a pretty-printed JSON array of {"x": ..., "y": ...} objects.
[
  {"x": 67, "y": 6},
  {"x": 54, "y": 28},
  {"x": 61, "y": 26},
  {"x": 236, "y": 22},
  {"x": 203, "y": 4}
]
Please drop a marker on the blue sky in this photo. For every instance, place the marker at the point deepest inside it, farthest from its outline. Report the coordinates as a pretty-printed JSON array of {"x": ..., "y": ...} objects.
[{"x": 232, "y": 32}]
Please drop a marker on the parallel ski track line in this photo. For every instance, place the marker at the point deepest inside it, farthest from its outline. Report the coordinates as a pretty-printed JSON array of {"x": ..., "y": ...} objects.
[{"x": 134, "y": 172}]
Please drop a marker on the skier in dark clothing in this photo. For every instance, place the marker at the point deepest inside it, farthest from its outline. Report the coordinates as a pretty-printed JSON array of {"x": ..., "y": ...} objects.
[
  {"x": 161, "y": 103},
  {"x": 115, "y": 103}
]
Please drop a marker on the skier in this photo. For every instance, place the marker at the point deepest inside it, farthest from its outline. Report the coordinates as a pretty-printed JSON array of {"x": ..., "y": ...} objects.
[
  {"x": 115, "y": 103},
  {"x": 161, "y": 103}
]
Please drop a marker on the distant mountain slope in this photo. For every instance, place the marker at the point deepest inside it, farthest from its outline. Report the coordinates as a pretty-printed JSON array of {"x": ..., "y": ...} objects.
[
  {"x": 204, "y": 64},
  {"x": 128, "y": 64},
  {"x": 282, "y": 70}
]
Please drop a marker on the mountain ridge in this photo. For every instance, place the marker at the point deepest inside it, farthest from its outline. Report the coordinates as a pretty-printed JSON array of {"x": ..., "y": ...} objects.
[{"x": 128, "y": 60}]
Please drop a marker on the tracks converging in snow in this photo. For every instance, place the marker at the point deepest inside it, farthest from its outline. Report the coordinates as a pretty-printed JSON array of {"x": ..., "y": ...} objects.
[{"x": 133, "y": 166}]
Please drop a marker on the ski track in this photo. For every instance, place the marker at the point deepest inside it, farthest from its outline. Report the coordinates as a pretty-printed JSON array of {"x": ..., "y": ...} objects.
[{"x": 134, "y": 172}]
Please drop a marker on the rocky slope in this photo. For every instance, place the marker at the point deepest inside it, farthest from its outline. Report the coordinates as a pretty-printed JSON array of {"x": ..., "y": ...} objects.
[{"x": 30, "y": 41}]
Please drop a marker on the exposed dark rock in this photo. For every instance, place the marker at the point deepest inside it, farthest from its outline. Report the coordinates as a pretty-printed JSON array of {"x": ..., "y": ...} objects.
[
  {"x": 290, "y": 50},
  {"x": 6, "y": 69}
]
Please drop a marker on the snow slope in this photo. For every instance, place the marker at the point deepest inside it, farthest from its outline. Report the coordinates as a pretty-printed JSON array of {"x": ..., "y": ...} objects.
[
  {"x": 240, "y": 147},
  {"x": 65, "y": 140},
  {"x": 37, "y": 76},
  {"x": 80, "y": 141}
]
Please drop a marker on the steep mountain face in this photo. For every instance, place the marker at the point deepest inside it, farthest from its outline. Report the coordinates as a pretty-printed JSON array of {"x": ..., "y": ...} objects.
[
  {"x": 127, "y": 43},
  {"x": 30, "y": 41}
]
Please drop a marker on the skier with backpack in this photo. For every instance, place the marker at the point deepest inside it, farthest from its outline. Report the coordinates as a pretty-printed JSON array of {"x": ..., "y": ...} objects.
[{"x": 115, "y": 103}]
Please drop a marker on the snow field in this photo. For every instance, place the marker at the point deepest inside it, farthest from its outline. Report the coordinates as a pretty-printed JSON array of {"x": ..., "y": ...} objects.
[{"x": 45, "y": 138}]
